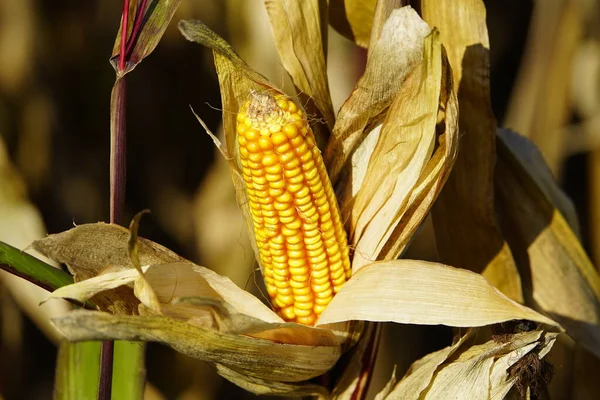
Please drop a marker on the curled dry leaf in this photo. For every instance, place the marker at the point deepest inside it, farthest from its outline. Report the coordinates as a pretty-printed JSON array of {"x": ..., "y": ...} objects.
[
  {"x": 467, "y": 235},
  {"x": 300, "y": 30},
  {"x": 559, "y": 277},
  {"x": 250, "y": 356},
  {"x": 482, "y": 370},
  {"x": 388, "y": 208},
  {"x": 396, "y": 53}
]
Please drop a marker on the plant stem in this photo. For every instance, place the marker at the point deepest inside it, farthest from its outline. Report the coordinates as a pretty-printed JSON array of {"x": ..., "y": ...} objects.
[{"x": 117, "y": 184}]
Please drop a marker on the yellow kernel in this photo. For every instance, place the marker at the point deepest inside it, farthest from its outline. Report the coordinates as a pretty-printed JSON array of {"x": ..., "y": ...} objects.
[
  {"x": 303, "y": 148},
  {"x": 276, "y": 192},
  {"x": 321, "y": 288},
  {"x": 292, "y": 107},
  {"x": 287, "y": 212},
  {"x": 319, "y": 308},
  {"x": 283, "y": 104},
  {"x": 311, "y": 242},
  {"x": 316, "y": 253},
  {"x": 269, "y": 160},
  {"x": 296, "y": 224},
  {"x": 273, "y": 169},
  {"x": 274, "y": 128},
  {"x": 311, "y": 174},
  {"x": 309, "y": 320},
  {"x": 296, "y": 253},
  {"x": 295, "y": 187},
  {"x": 302, "y": 306},
  {"x": 297, "y": 263},
  {"x": 297, "y": 283},
  {"x": 284, "y": 301},
  {"x": 265, "y": 143},
  {"x": 288, "y": 313},
  {"x": 251, "y": 135},
  {"x": 324, "y": 294},
  {"x": 290, "y": 131},
  {"x": 292, "y": 164},
  {"x": 302, "y": 313},
  {"x": 282, "y": 284},
  {"x": 301, "y": 291},
  {"x": 278, "y": 184},
  {"x": 318, "y": 275},
  {"x": 278, "y": 138},
  {"x": 292, "y": 172},
  {"x": 337, "y": 283},
  {"x": 296, "y": 179},
  {"x": 311, "y": 232},
  {"x": 297, "y": 141},
  {"x": 241, "y": 116},
  {"x": 283, "y": 148},
  {"x": 273, "y": 177},
  {"x": 287, "y": 157},
  {"x": 296, "y": 245}
]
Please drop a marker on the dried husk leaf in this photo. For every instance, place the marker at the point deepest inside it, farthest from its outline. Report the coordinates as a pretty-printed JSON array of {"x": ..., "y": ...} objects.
[
  {"x": 353, "y": 19},
  {"x": 560, "y": 278},
  {"x": 532, "y": 159},
  {"x": 419, "y": 292},
  {"x": 249, "y": 356},
  {"x": 172, "y": 281},
  {"x": 352, "y": 380},
  {"x": 466, "y": 232},
  {"x": 482, "y": 370},
  {"x": 272, "y": 388},
  {"x": 396, "y": 53},
  {"x": 300, "y": 30},
  {"x": 389, "y": 207},
  {"x": 90, "y": 249},
  {"x": 237, "y": 81},
  {"x": 422, "y": 371}
]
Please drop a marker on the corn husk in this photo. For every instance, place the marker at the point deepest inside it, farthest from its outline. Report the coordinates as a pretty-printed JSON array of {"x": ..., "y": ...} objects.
[
  {"x": 484, "y": 371},
  {"x": 353, "y": 19},
  {"x": 300, "y": 30},
  {"x": 561, "y": 280},
  {"x": 465, "y": 209}
]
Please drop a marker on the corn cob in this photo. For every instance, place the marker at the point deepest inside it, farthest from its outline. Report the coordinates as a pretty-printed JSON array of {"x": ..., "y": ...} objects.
[{"x": 300, "y": 238}]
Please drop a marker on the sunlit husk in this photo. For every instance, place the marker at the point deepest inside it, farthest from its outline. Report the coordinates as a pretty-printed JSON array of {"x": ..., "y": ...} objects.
[
  {"x": 562, "y": 281},
  {"x": 467, "y": 235}
]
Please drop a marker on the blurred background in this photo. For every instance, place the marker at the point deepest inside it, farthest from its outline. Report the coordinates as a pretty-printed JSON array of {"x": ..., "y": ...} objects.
[{"x": 55, "y": 83}]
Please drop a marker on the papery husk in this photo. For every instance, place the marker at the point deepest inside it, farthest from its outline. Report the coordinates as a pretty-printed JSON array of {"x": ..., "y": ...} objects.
[
  {"x": 466, "y": 232},
  {"x": 170, "y": 283},
  {"x": 353, "y": 19},
  {"x": 416, "y": 156},
  {"x": 250, "y": 356},
  {"x": 420, "y": 292},
  {"x": 396, "y": 53},
  {"x": 559, "y": 277},
  {"x": 90, "y": 249},
  {"x": 300, "y": 30},
  {"x": 272, "y": 388},
  {"x": 481, "y": 370}
]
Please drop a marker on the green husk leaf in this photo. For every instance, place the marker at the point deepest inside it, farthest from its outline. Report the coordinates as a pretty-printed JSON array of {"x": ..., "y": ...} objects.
[{"x": 77, "y": 371}]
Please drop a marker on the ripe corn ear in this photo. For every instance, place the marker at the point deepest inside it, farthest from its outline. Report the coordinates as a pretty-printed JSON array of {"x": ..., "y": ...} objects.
[{"x": 301, "y": 241}]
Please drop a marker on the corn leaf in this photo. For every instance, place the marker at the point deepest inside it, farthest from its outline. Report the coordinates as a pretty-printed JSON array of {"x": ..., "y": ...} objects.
[
  {"x": 353, "y": 19},
  {"x": 389, "y": 207},
  {"x": 254, "y": 357},
  {"x": 156, "y": 18},
  {"x": 466, "y": 233},
  {"x": 482, "y": 370},
  {"x": 398, "y": 50},
  {"x": 300, "y": 30},
  {"x": 419, "y": 292},
  {"x": 559, "y": 277},
  {"x": 272, "y": 388}
]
